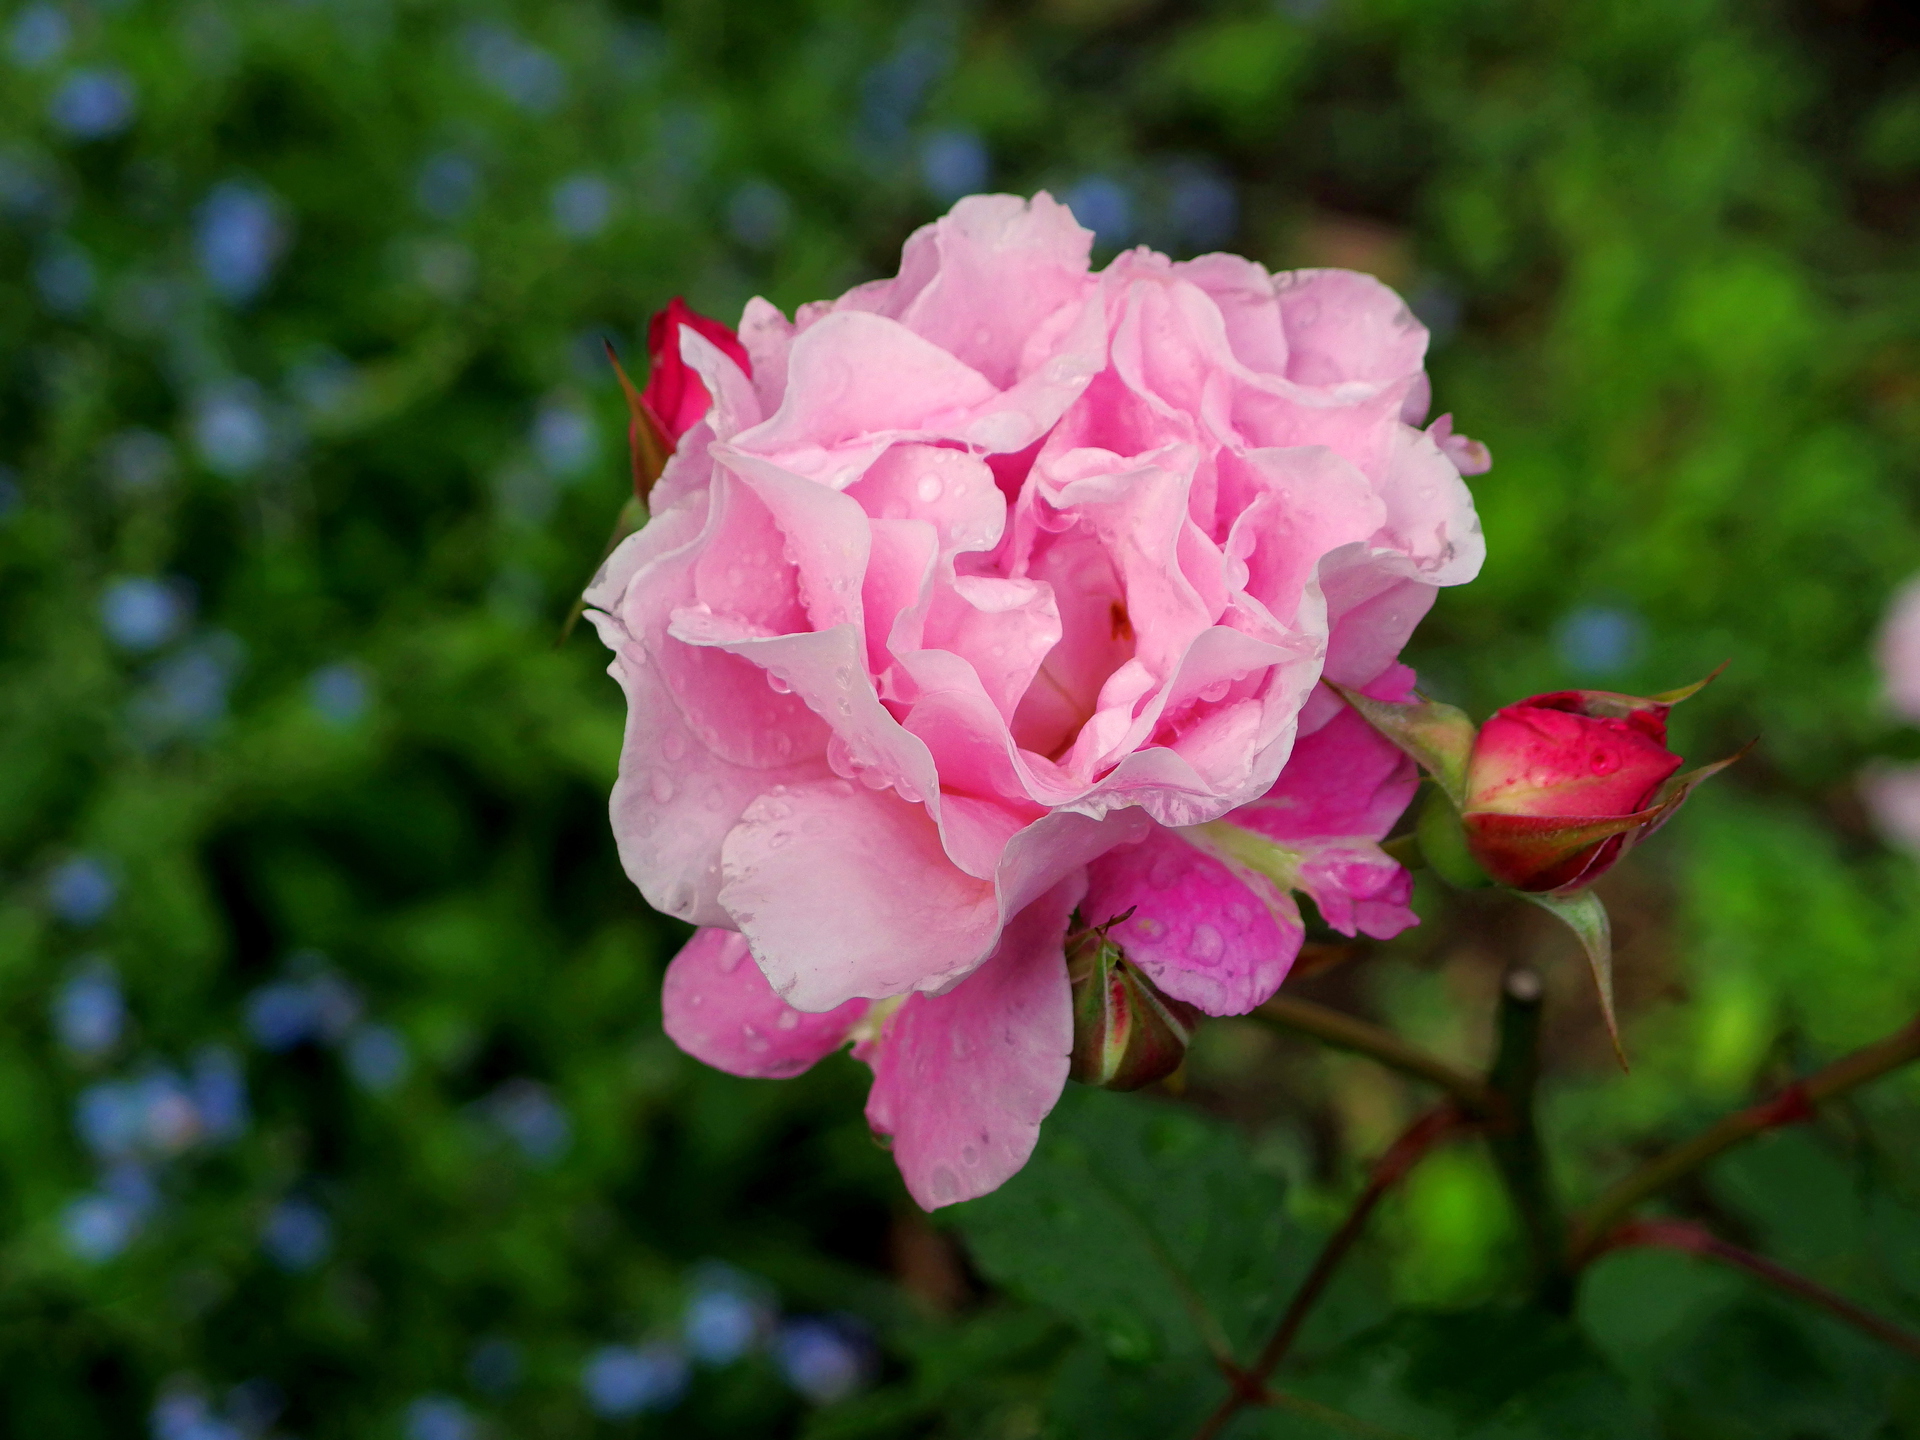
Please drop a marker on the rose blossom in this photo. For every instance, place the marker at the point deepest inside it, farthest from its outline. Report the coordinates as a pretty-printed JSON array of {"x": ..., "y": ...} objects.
[{"x": 998, "y": 592}]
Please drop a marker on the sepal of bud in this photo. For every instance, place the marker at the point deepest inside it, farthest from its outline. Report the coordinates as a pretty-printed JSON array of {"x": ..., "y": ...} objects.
[
  {"x": 1438, "y": 737},
  {"x": 1126, "y": 1034}
]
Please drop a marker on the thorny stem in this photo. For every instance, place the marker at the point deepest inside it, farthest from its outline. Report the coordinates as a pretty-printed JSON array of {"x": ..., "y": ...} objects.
[
  {"x": 1793, "y": 1104},
  {"x": 1346, "y": 1032},
  {"x": 1517, "y": 1152},
  {"x": 1250, "y": 1385},
  {"x": 1697, "y": 1240}
]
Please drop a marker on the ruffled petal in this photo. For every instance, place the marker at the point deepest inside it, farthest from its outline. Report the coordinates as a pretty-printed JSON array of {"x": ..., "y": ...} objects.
[
  {"x": 961, "y": 1081},
  {"x": 719, "y": 1008}
]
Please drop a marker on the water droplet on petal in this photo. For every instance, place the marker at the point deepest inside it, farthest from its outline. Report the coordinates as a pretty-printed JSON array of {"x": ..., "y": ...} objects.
[
  {"x": 1206, "y": 944},
  {"x": 928, "y": 489},
  {"x": 945, "y": 1185},
  {"x": 778, "y": 685},
  {"x": 969, "y": 1155},
  {"x": 788, "y": 1019},
  {"x": 662, "y": 786},
  {"x": 673, "y": 745}
]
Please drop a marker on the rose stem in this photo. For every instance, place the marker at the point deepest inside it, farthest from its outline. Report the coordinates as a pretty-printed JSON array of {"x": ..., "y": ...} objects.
[
  {"x": 1515, "y": 1141},
  {"x": 1698, "y": 1240},
  {"x": 1794, "y": 1103},
  {"x": 1346, "y": 1032},
  {"x": 1420, "y": 1137}
]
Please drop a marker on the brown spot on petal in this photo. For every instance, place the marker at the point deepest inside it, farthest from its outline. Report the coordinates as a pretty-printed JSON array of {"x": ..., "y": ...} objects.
[{"x": 1117, "y": 618}]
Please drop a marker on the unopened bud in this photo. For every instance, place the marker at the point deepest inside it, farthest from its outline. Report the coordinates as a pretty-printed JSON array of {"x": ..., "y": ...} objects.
[{"x": 1125, "y": 1032}]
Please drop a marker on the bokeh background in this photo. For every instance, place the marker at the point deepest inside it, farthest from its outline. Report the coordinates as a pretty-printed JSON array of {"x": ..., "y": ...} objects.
[{"x": 333, "y": 1098}]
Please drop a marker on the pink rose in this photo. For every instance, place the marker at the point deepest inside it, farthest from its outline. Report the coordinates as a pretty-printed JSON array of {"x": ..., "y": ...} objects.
[
  {"x": 1001, "y": 590},
  {"x": 1892, "y": 791}
]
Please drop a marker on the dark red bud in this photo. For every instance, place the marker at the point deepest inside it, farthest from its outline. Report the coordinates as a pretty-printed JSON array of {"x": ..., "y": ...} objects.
[{"x": 675, "y": 396}]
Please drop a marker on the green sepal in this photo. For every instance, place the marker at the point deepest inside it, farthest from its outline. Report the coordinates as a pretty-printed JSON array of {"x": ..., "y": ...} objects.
[
  {"x": 645, "y": 439},
  {"x": 1583, "y": 914},
  {"x": 1443, "y": 844},
  {"x": 1438, "y": 737}
]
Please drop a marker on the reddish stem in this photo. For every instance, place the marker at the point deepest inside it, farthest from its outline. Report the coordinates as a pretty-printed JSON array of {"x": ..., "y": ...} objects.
[
  {"x": 1250, "y": 1385},
  {"x": 1698, "y": 1240}
]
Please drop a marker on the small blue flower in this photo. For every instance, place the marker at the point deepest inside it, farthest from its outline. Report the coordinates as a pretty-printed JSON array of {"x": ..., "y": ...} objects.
[
  {"x": 525, "y": 74},
  {"x": 89, "y": 1012},
  {"x": 38, "y": 37},
  {"x": 1205, "y": 207},
  {"x": 142, "y": 613},
  {"x": 582, "y": 205},
  {"x": 231, "y": 429},
  {"x": 281, "y": 1015},
  {"x": 1105, "y": 207},
  {"x": 93, "y": 104},
  {"x": 438, "y": 1417},
  {"x": 1596, "y": 641},
  {"x": 98, "y": 1227},
  {"x": 954, "y": 163},
  {"x": 757, "y": 214},
  {"x": 297, "y": 1235},
  {"x": 564, "y": 438},
  {"x": 218, "y": 1086},
  {"x": 526, "y": 1112},
  {"x": 239, "y": 234},
  {"x": 623, "y": 1380},
  {"x": 825, "y": 1359},
  {"x": 81, "y": 891},
  {"x": 726, "y": 1315},
  {"x": 186, "y": 694},
  {"x": 377, "y": 1058},
  {"x": 340, "y": 692},
  {"x": 447, "y": 185}
]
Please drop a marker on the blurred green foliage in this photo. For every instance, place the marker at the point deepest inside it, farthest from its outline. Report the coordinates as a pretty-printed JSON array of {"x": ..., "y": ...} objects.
[{"x": 333, "y": 1100}]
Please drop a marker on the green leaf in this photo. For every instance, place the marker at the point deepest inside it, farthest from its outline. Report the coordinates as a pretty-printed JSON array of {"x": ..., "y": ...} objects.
[
  {"x": 1587, "y": 917},
  {"x": 1496, "y": 1373},
  {"x": 1146, "y": 1226}
]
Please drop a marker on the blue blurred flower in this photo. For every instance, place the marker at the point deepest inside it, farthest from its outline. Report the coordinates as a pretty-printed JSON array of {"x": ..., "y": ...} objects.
[
  {"x": 1205, "y": 208},
  {"x": 230, "y": 428},
  {"x": 757, "y": 214},
  {"x": 186, "y": 694},
  {"x": 954, "y": 163},
  {"x": 1596, "y": 641},
  {"x": 377, "y": 1058},
  {"x": 98, "y": 1227},
  {"x": 63, "y": 275},
  {"x": 317, "y": 1005},
  {"x": 184, "y": 1415},
  {"x": 9, "y": 493},
  {"x": 582, "y": 205},
  {"x": 81, "y": 890},
  {"x": 38, "y": 37},
  {"x": 239, "y": 234},
  {"x": 25, "y": 189},
  {"x": 525, "y": 74},
  {"x": 92, "y": 104},
  {"x": 297, "y": 1235},
  {"x": 447, "y": 185},
  {"x": 495, "y": 1366},
  {"x": 140, "y": 612},
  {"x": 341, "y": 692},
  {"x": 564, "y": 438},
  {"x": 527, "y": 1114},
  {"x": 218, "y": 1086},
  {"x": 1105, "y": 207},
  {"x": 131, "y": 1183},
  {"x": 89, "y": 1012},
  {"x": 110, "y": 1118},
  {"x": 891, "y": 91},
  {"x": 624, "y": 1380},
  {"x": 139, "y": 459},
  {"x": 726, "y": 1315},
  {"x": 825, "y": 1359},
  {"x": 438, "y": 1417},
  {"x": 170, "y": 1122}
]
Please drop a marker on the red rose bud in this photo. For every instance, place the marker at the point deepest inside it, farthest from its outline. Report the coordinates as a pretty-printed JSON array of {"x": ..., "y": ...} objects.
[
  {"x": 675, "y": 395},
  {"x": 1125, "y": 1032},
  {"x": 1560, "y": 786}
]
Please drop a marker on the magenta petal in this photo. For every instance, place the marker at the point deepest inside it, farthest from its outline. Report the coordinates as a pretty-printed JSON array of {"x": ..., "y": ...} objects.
[
  {"x": 961, "y": 1081},
  {"x": 719, "y": 1008},
  {"x": 1205, "y": 932}
]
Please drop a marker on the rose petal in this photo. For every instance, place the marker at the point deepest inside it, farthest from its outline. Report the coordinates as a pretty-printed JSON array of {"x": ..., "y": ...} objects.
[
  {"x": 961, "y": 1081},
  {"x": 719, "y": 1008}
]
